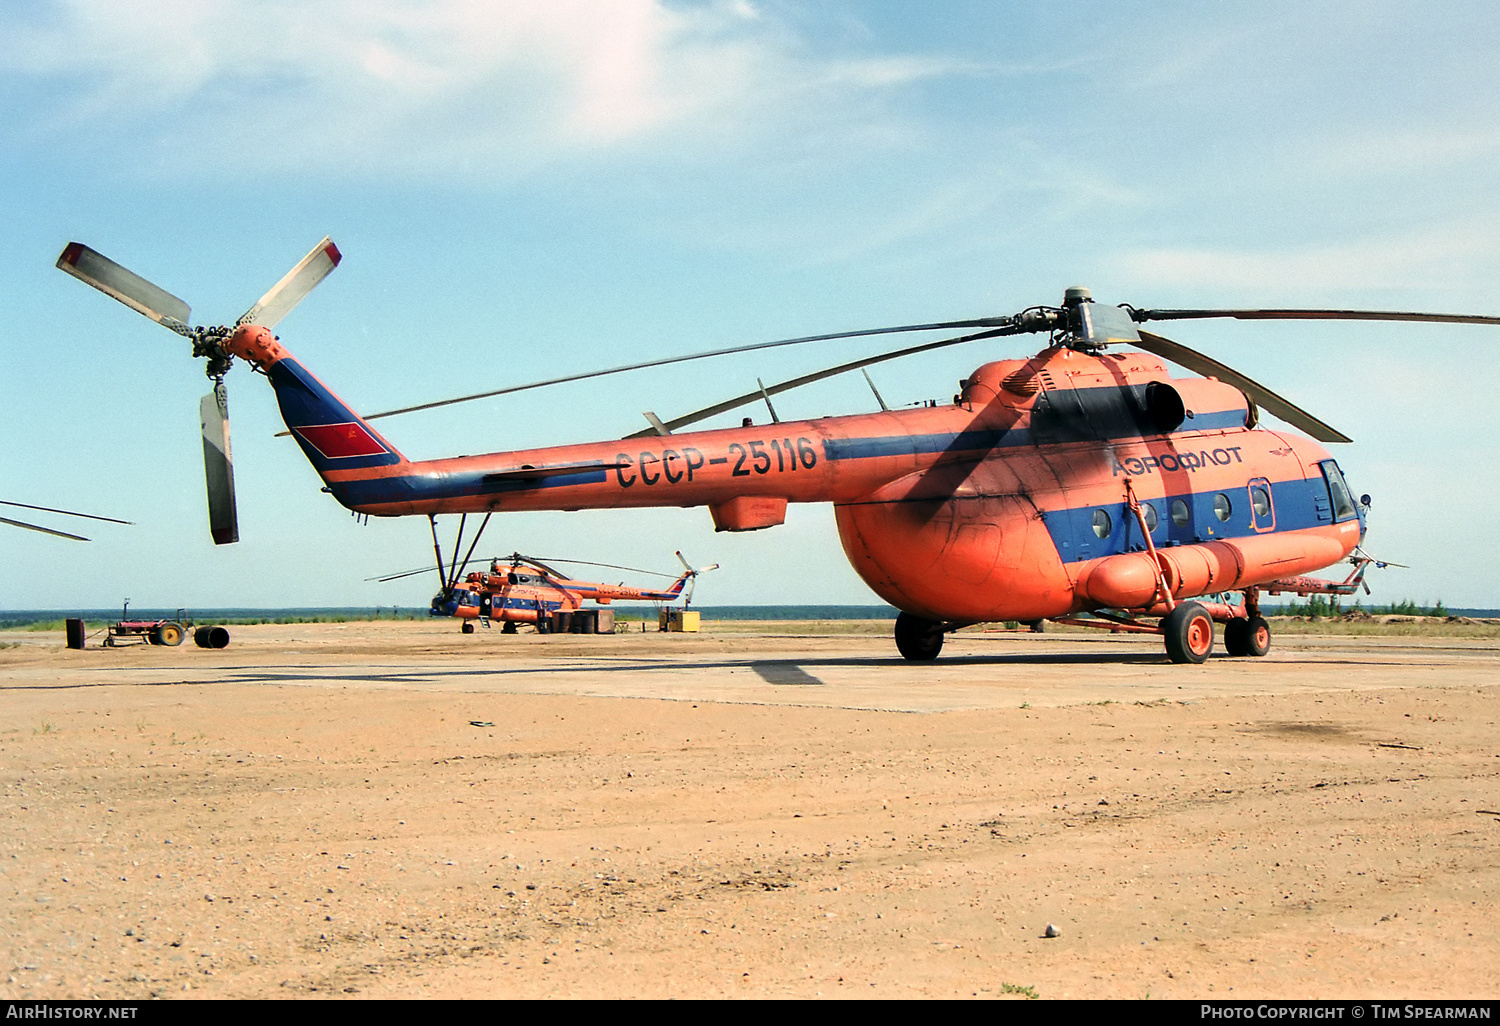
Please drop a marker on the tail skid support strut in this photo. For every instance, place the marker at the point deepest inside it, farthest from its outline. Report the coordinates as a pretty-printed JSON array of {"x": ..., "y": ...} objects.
[{"x": 448, "y": 578}]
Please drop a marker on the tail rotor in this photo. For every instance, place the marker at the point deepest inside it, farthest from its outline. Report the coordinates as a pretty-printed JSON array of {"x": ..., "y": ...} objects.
[
  {"x": 691, "y": 574},
  {"x": 92, "y": 267}
]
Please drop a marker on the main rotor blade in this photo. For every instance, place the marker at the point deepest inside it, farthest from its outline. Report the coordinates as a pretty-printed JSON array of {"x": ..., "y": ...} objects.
[
  {"x": 292, "y": 289},
  {"x": 218, "y": 466},
  {"x": 785, "y": 386},
  {"x": 44, "y": 530},
  {"x": 607, "y": 566},
  {"x": 125, "y": 285},
  {"x": 1310, "y": 315},
  {"x": 66, "y": 513},
  {"x": 398, "y": 576},
  {"x": 1258, "y": 393},
  {"x": 977, "y": 322}
]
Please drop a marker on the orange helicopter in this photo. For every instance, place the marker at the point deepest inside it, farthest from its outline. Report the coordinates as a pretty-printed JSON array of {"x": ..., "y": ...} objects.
[
  {"x": 528, "y": 591},
  {"x": 1080, "y": 480}
]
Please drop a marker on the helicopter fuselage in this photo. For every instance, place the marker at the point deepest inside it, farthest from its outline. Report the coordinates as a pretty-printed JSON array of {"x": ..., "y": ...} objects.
[
  {"x": 1012, "y": 502},
  {"x": 523, "y": 593}
]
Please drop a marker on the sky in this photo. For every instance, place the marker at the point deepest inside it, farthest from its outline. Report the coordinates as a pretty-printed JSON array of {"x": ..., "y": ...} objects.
[{"x": 525, "y": 188}]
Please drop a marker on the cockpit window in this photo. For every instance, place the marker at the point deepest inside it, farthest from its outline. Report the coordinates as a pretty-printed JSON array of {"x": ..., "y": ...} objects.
[{"x": 1338, "y": 491}]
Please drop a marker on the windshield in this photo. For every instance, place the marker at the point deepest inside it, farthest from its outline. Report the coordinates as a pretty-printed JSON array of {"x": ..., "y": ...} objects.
[{"x": 1338, "y": 491}]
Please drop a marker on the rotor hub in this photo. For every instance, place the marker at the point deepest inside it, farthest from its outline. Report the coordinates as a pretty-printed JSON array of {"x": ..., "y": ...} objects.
[{"x": 209, "y": 344}]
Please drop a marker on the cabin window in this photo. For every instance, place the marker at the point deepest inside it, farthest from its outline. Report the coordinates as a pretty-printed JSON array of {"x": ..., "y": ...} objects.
[
  {"x": 1102, "y": 525},
  {"x": 1179, "y": 513},
  {"x": 1262, "y": 505},
  {"x": 1338, "y": 491},
  {"x": 1222, "y": 506},
  {"x": 1148, "y": 511}
]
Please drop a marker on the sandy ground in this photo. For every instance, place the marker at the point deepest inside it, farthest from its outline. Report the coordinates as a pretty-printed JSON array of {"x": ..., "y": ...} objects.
[{"x": 398, "y": 810}]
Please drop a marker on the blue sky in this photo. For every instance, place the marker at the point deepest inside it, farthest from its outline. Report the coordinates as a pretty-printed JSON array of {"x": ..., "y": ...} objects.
[{"x": 526, "y": 188}]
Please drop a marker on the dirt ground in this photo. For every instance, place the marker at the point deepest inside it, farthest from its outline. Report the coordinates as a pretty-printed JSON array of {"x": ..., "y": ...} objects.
[{"x": 397, "y": 810}]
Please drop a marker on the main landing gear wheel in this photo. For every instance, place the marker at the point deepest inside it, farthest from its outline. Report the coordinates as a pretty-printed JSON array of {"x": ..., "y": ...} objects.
[
  {"x": 1189, "y": 633},
  {"x": 1247, "y": 636},
  {"x": 468, "y": 627},
  {"x": 918, "y": 639}
]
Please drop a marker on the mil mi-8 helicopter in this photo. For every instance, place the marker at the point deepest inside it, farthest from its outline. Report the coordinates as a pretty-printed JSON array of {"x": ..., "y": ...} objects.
[
  {"x": 1079, "y": 480},
  {"x": 524, "y": 590}
]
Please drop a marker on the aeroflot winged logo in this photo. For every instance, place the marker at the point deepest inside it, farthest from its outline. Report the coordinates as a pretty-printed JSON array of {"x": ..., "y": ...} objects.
[{"x": 338, "y": 441}]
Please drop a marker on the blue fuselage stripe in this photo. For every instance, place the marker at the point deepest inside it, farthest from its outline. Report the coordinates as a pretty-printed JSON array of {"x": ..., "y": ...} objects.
[
  {"x": 1295, "y": 505},
  {"x": 425, "y": 487}
]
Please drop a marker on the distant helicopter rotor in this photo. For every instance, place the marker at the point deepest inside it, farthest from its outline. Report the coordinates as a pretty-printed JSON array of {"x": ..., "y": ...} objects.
[{"x": 62, "y": 512}]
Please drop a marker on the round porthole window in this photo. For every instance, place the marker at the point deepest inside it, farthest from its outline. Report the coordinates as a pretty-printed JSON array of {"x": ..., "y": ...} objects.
[
  {"x": 1101, "y": 523},
  {"x": 1149, "y": 512},
  {"x": 1222, "y": 508},
  {"x": 1260, "y": 501},
  {"x": 1179, "y": 513}
]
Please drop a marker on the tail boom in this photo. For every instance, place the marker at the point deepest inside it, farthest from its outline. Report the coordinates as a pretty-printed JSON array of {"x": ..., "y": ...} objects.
[{"x": 335, "y": 439}]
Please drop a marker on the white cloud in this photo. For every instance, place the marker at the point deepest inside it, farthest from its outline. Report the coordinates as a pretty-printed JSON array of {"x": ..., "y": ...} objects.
[{"x": 418, "y": 86}]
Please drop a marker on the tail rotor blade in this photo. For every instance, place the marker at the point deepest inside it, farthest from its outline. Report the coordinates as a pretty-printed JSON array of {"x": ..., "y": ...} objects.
[
  {"x": 1258, "y": 393},
  {"x": 292, "y": 289},
  {"x": 218, "y": 468},
  {"x": 125, "y": 285}
]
